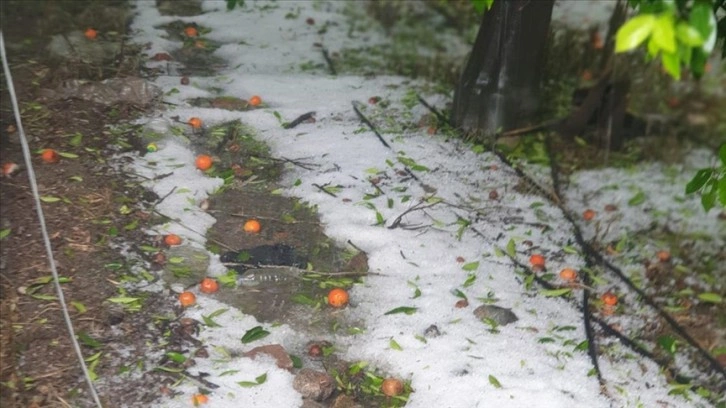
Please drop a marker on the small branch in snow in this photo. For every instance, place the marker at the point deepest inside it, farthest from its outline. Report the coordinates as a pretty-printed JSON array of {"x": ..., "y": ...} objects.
[
  {"x": 329, "y": 61},
  {"x": 439, "y": 116},
  {"x": 368, "y": 123},
  {"x": 321, "y": 188},
  {"x": 200, "y": 379},
  {"x": 418, "y": 207},
  {"x": 300, "y": 119}
]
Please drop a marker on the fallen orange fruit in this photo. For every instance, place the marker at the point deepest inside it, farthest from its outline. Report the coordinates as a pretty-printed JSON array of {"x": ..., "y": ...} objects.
[
  {"x": 208, "y": 285},
  {"x": 91, "y": 34},
  {"x": 172, "y": 239},
  {"x": 392, "y": 387},
  {"x": 609, "y": 298},
  {"x": 537, "y": 261},
  {"x": 191, "y": 31},
  {"x": 187, "y": 299},
  {"x": 588, "y": 214},
  {"x": 568, "y": 274},
  {"x": 9, "y": 168},
  {"x": 338, "y": 297},
  {"x": 196, "y": 123},
  {"x": 199, "y": 399},
  {"x": 204, "y": 162},
  {"x": 664, "y": 256},
  {"x": 255, "y": 100},
  {"x": 50, "y": 156},
  {"x": 252, "y": 226}
]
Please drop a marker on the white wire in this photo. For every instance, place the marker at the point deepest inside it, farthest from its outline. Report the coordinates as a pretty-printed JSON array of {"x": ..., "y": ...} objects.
[{"x": 43, "y": 228}]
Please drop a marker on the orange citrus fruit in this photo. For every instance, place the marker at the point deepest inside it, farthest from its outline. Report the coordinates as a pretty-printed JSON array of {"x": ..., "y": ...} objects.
[
  {"x": 392, "y": 387},
  {"x": 252, "y": 226},
  {"x": 191, "y": 31},
  {"x": 609, "y": 298},
  {"x": 255, "y": 100},
  {"x": 50, "y": 156},
  {"x": 664, "y": 256},
  {"x": 91, "y": 34},
  {"x": 199, "y": 399},
  {"x": 172, "y": 239},
  {"x": 204, "y": 162},
  {"x": 208, "y": 285},
  {"x": 588, "y": 214},
  {"x": 187, "y": 299},
  {"x": 568, "y": 274},
  {"x": 9, "y": 168},
  {"x": 338, "y": 297},
  {"x": 196, "y": 123},
  {"x": 537, "y": 261}
]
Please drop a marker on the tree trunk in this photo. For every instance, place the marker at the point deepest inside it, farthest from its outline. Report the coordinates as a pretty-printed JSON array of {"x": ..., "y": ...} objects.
[{"x": 498, "y": 89}]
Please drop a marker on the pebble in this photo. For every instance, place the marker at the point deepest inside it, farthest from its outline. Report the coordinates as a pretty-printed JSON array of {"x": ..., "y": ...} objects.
[{"x": 502, "y": 316}]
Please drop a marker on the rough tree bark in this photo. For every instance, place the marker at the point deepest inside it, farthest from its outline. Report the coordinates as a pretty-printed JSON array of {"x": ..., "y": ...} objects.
[{"x": 498, "y": 89}]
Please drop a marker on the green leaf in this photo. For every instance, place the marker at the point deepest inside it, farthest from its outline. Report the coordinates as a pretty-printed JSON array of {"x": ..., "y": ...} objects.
[
  {"x": 722, "y": 152},
  {"x": 634, "y": 32},
  {"x": 49, "y": 199},
  {"x": 688, "y": 35},
  {"x": 672, "y": 64},
  {"x": 5, "y": 232},
  {"x": 664, "y": 33},
  {"x": 68, "y": 155},
  {"x": 254, "y": 333},
  {"x": 637, "y": 199},
  {"x": 701, "y": 19},
  {"x": 393, "y": 344},
  {"x": 511, "y": 248},
  {"x": 123, "y": 300},
  {"x": 258, "y": 381},
  {"x": 459, "y": 294},
  {"x": 556, "y": 292},
  {"x": 708, "y": 199},
  {"x": 176, "y": 357},
  {"x": 668, "y": 344},
  {"x": 87, "y": 340},
  {"x": 402, "y": 309},
  {"x": 722, "y": 190},
  {"x": 710, "y": 297},
  {"x": 471, "y": 266},
  {"x": 80, "y": 307},
  {"x": 698, "y": 181},
  {"x": 470, "y": 279},
  {"x": 493, "y": 381}
]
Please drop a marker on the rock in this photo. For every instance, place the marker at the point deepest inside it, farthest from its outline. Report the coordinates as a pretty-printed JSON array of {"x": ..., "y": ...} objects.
[
  {"x": 433, "y": 331},
  {"x": 315, "y": 385},
  {"x": 276, "y": 351},
  {"x": 308, "y": 403},
  {"x": 502, "y": 316},
  {"x": 344, "y": 401}
]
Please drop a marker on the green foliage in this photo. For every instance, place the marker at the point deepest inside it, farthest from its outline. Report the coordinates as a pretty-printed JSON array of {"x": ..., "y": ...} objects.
[
  {"x": 481, "y": 5},
  {"x": 710, "y": 183},
  {"x": 231, "y": 4},
  {"x": 681, "y": 33}
]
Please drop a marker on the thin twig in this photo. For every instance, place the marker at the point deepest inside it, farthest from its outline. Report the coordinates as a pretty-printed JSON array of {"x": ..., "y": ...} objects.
[
  {"x": 329, "y": 61},
  {"x": 321, "y": 188},
  {"x": 300, "y": 119},
  {"x": 368, "y": 123}
]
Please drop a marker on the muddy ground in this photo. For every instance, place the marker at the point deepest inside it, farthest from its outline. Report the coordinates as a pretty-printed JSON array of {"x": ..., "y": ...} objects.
[{"x": 38, "y": 367}]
